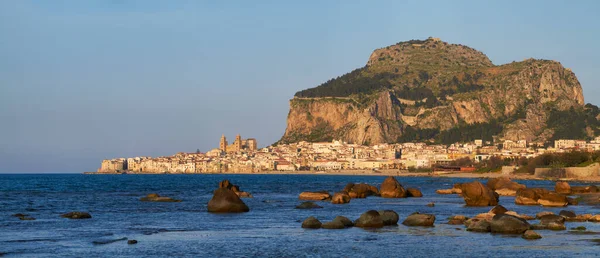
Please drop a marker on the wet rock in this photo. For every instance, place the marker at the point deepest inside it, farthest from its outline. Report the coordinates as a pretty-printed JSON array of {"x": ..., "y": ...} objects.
[
  {"x": 225, "y": 200},
  {"x": 556, "y": 226},
  {"x": 311, "y": 222},
  {"x": 26, "y": 218},
  {"x": 389, "y": 217},
  {"x": 110, "y": 241},
  {"x": 154, "y": 197},
  {"x": 431, "y": 204},
  {"x": 18, "y": 215},
  {"x": 572, "y": 201},
  {"x": 454, "y": 190},
  {"x": 391, "y": 188},
  {"x": 543, "y": 213},
  {"x": 477, "y": 194},
  {"x": 334, "y": 224},
  {"x": 580, "y": 218},
  {"x": 77, "y": 215},
  {"x": 413, "y": 192},
  {"x": 584, "y": 189},
  {"x": 132, "y": 242},
  {"x": 537, "y": 196},
  {"x": 567, "y": 214},
  {"x": 485, "y": 216},
  {"x": 308, "y": 205},
  {"x": 369, "y": 219},
  {"x": 340, "y": 198},
  {"x": 552, "y": 218},
  {"x": 314, "y": 196},
  {"x": 580, "y": 228},
  {"x": 236, "y": 189},
  {"x": 478, "y": 225},
  {"x": 418, "y": 219},
  {"x": 531, "y": 235},
  {"x": 457, "y": 220},
  {"x": 360, "y": 190},
  {"x": 346, "y": 221},
  {"x": 562, "y": 187},
  {"x": 499, "y": 209},
  {"x": 504, "y": 186},
  {"x": 551, "y": 199},
  {"x": 595, "y": 218},
  {"x": 521, "y": 216},
  {"x": 506, "y": 224}
]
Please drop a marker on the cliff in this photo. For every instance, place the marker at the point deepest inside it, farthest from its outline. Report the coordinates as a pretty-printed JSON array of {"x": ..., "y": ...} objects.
[{"x": 432, "y": 90}]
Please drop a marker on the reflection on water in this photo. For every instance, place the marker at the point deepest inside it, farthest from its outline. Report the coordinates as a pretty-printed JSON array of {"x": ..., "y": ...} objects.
[{"x": 271, "y": 228}]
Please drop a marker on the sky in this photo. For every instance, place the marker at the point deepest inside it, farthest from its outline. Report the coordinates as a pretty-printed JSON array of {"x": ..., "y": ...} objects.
[{"x": 82, "y": 81}]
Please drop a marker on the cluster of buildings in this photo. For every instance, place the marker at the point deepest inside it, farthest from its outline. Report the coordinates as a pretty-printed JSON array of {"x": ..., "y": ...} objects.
[{"x": 243, "y": 156}]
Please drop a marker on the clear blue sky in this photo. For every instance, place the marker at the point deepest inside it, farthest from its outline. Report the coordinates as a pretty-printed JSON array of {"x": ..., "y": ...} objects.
[{"x": 82, "y": 81}]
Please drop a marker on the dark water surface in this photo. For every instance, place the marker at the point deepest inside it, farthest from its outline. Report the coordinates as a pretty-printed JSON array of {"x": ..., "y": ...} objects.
[{"x": 271, "y": 228}]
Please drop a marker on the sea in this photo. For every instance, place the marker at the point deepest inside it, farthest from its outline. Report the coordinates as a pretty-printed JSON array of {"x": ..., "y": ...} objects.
[{"x": 272, "y": 228}]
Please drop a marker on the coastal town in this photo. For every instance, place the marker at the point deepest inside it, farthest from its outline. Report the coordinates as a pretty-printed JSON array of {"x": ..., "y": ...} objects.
[{"x": 243, "y": 156}]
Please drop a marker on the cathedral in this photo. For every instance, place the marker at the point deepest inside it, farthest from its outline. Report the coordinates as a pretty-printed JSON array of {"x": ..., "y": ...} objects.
[{"x": 238, "y": 144}]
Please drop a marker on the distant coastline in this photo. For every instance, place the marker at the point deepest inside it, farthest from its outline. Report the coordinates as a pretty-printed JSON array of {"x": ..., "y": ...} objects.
[{"x": 385, "y": 172}]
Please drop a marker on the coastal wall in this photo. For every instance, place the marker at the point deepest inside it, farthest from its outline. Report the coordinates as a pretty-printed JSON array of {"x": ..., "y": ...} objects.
[{"x": 570, "y": 172}]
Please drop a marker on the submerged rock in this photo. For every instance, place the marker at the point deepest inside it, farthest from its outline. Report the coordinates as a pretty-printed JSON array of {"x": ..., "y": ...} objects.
[
  {"x": 418, "y": 219},
  {"x": 77, "y": 215},
  {"x": 457, "y": 220},
  {"x": 311, "y": 222},
  {"x": 110, "y": 241},
  {"x": 153, "y": 197},
  {"x": 132, "y": 242},
  {"x": 369, "y": 219},
  {"x": 308, "y": 205}
]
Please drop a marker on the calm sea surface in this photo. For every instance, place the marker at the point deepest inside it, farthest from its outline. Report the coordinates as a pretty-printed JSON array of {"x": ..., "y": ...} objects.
[{"x": 270, "y": 229}]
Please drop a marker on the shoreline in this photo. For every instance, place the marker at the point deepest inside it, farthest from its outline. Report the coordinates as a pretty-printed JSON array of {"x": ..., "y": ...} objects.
[{"x": 390, "y": 172}]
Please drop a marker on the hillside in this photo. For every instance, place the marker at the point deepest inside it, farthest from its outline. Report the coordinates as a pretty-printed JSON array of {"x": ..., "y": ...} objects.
[{"x": 430, "y": 90}]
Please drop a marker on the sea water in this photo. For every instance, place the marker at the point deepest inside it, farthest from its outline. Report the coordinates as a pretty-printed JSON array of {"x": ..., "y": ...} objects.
[{"x": 270, "y": 229}]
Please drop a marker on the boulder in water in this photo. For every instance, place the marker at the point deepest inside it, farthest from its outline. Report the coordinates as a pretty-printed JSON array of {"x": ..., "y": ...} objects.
[
  {"x": 311, "y": 222},
  {"x": 391, "y": 188},
  {"x": 369, "y": 219},
  {"x": 314, "y": 196},
  {"x": 225, "y": 200},
  {"x": 562, "y": 187},
  {"x": 499, "y": 209},
  {"x": 478, "y": 225},
  {"x": 413, "y": 192},
  {"x": 531, "y": 235},
  {"x": 477, "y": 194},
  {"x": 506, "y": 224},
  {"x": 389, "y": 217},
  {"x": 340, "y": 198},
  {"x": 418, "y": 219},
  {"x": 360, "y": 190},
  {"x": 346, "y": 221},
  {"x": 504, "y": 186}
]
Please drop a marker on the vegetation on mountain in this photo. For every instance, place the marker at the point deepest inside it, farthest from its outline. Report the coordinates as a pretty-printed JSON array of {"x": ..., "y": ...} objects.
[{"x": 430, "y": 90}]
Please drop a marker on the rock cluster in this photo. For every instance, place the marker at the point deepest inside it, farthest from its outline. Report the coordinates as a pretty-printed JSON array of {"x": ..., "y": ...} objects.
[{"x": 154, "y": 197}]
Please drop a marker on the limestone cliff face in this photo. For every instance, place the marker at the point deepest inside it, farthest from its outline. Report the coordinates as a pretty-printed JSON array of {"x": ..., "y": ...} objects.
[{"x": 433, "y": 85}]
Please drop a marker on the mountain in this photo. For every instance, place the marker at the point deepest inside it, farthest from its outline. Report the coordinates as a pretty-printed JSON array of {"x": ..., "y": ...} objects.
[{"x": 430, "y": 90}]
